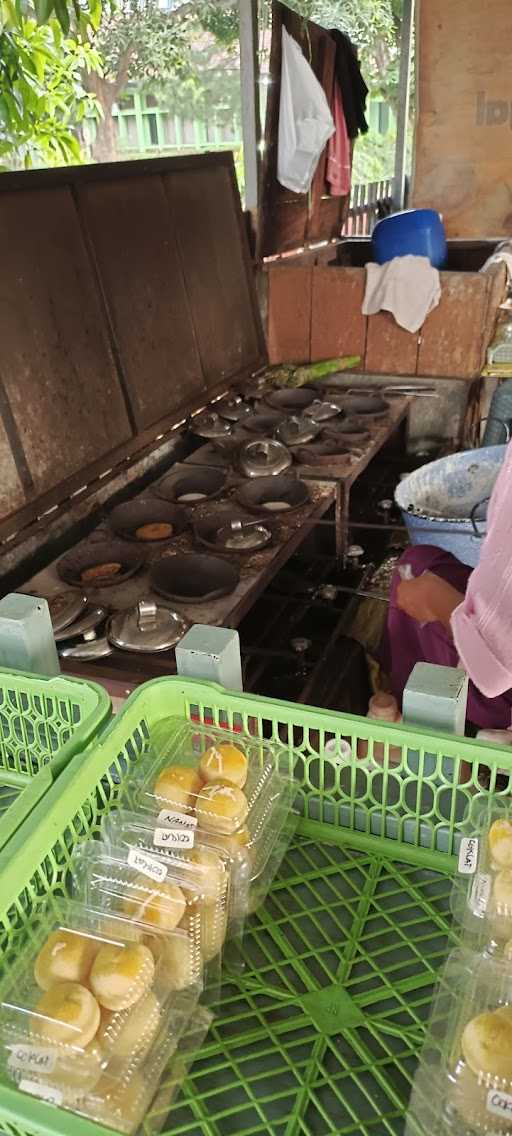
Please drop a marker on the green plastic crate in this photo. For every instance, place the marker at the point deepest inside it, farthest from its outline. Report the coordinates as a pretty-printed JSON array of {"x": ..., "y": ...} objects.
[
  {"x": 44, "y": 722},
  {"x": 320, "y": 1034}
]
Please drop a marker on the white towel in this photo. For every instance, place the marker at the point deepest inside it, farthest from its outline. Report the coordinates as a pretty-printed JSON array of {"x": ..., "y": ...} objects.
[{"x": 407, "y": 286}]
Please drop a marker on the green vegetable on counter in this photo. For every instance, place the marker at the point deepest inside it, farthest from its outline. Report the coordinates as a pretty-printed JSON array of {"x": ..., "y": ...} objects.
[{"x": 292, "y": 376}]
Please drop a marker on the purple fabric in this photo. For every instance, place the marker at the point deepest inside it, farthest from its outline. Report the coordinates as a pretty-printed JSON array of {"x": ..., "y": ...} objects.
[{"x": 406, "y": 642}]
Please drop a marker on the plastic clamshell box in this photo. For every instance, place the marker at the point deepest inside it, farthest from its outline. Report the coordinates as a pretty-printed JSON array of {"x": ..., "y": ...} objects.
[
  {"x": 463, "y": 1085},
  {"x": 188, "y": 779},
  {"x": 184, "y": 897},
  {"x": 482, "y": 890},
  {"x": 105, "y": 1020}
]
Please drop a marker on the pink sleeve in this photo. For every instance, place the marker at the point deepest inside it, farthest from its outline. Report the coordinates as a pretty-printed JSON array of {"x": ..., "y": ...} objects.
[{"x": 482, "y": 624}]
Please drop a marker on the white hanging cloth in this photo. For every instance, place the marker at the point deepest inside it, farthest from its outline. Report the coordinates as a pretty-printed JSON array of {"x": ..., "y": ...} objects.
[{"x": 305, "y": 121}]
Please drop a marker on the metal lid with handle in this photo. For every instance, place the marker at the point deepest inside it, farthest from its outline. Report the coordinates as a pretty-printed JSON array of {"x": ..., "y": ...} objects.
[{"x": 147, "y": 627}]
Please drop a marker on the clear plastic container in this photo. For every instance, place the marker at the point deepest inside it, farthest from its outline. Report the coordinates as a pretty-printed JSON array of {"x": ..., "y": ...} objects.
[
  {"x": 482, "y": 890},
  {"x": 463, "y": 1084},
  {"x": 143, "y": 1093},
  {"x": 201, "y": 777},
  {"x": 88, "y": 994},
  {"x": 185, "y": 893},
  {"x": 217, "y": 880}
]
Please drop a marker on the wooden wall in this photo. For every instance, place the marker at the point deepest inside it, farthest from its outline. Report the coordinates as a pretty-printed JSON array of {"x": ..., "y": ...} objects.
[
  {"x": 289, "y": 220},
  {"x": 463, "y": 144},
  {"x": 126, "y": 300},
  {"x": 315, "y": 313}
]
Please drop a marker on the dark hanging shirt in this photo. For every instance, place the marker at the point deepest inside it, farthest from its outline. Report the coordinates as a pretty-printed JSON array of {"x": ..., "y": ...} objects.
[{"x": 352, "y": 84}]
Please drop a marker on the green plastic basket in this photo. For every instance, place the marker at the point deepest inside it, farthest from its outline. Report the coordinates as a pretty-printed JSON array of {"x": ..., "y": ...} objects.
[
  {"x": 320, "y": 1034},
  {"x": 44, "y": 722}
]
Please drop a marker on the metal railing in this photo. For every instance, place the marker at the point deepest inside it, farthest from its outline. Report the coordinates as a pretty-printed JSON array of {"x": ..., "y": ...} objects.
[{"x": 368, "y": 202}]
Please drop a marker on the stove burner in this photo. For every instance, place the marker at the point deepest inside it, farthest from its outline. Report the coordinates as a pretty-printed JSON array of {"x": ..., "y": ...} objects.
[
  {"x": 193, "y": 577},
  {"x": 214, "y": 532},
  {"x": 349, "y": 430},
  {"x": 264, "y": 493},
  {"x": 264, "y": 424},
  {"x": 148, "y": 519},
  {"x": 119, "y": 561},
  {"x": 192, "y": 488},
  {"x": 327, "y": 451},
  {"x": 366, "y": 406},
  {"x": 290, "y": 400}
]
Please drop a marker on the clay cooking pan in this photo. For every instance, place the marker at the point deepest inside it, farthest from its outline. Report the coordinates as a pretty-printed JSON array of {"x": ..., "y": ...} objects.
[
  {"x": 207, "y": 482},
  {"x": 96, "y": 554},
  {"x": 365, "y": 406},
  {"x": 191, "y": 577},
  {"x": 263, "y": 424},
  {"x": 290, "y": 400},
  {"x": 327, "y": 451},
  {"x": 211, "y": 531},
  {"x": 257, "y": 495},
  {"x": 347, "y": 430},
  {"x": 134, "y": 518}
]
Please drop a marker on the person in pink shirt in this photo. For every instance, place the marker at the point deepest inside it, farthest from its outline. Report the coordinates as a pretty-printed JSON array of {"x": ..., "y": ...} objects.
[{"x": 448, "y": 612}]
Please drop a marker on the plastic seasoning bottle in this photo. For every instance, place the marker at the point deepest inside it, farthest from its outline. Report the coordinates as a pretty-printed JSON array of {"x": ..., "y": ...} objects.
[
  {"x": 499, "y": 737},
  {"x": 383, "y": 708}
]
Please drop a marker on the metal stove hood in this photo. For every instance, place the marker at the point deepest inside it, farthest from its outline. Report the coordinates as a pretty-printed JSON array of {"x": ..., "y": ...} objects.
[{"x": 126, "y": 302}]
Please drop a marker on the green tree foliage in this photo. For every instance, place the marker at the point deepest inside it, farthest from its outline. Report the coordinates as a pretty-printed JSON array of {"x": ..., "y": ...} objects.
[
  {"x": 42, "y": 94},
  {"x": 180, "y": 54}
]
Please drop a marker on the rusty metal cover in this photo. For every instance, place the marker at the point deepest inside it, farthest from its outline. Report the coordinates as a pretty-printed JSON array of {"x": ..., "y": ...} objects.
[{"x": 126, "y": 301}]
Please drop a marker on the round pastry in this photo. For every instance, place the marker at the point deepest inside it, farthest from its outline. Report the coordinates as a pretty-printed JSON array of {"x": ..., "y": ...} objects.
[
  {"x": 132, "y": 1033},
  {"x": 221, "y": 807},
  {"x": 213, "y": 875},
  {"x": 67, "y": 1014},
  {"x": 502, "y": 892},
  {"x": 178, "y": 786},
  {"x": 486, "y": 1044},
  {"x": 120, "y": 975},
  {"x": 235, "y": 843},
  {"x": 500, "y": 843},
  {"x": 157, "y": 531},
  {"x": 160, "y": 905},
  {"x": 65, "y": 957},
  {"x": 178, "y": 962},
  {"x": 111, "y": 927},
  {"x": 224, "y": 762},
  {"x": 100, "y": 572}
]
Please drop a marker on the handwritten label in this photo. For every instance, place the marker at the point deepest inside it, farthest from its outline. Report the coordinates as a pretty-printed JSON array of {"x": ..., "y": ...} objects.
[
  {"x": 147, "y": 865},
  {"x": 46, "y": 1092},
  {"x": 468, "y": 855},
  {"x": 480, "y": 893},
  {"x": 500, "y": 1104},
  {"x": 32, "y": 1057},
  {"x": 176, "y": 820},
  {"x": 174, "y": 837}
]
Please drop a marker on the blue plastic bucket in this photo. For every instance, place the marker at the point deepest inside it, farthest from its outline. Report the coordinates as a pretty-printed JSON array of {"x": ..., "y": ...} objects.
[{"x": 419, "y": 232}]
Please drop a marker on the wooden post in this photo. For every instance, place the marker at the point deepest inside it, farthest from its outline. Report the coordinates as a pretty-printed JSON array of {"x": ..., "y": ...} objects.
[
  {"x": 251, "y": 127},
  {"x": 404, "y": 90}
]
